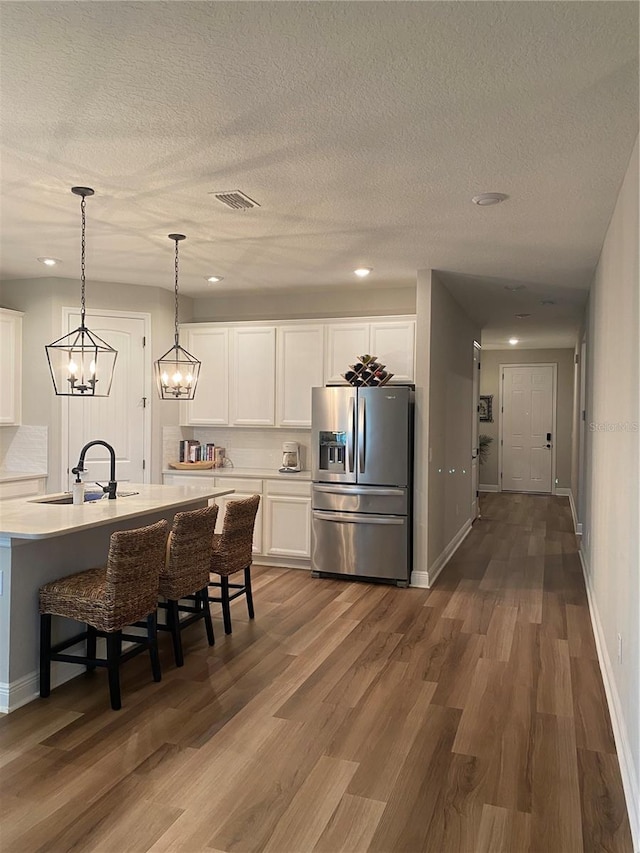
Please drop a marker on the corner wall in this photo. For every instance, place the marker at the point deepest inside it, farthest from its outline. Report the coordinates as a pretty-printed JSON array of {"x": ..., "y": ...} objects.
[
  {"x": 444, "y": 413},
  {"x": 611, "y": 477}
]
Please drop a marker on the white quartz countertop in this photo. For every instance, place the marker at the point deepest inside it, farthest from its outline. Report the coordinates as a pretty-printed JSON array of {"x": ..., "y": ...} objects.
[
  {"x": 27, "y": 518},
  {"x": 259, "y": 473}
]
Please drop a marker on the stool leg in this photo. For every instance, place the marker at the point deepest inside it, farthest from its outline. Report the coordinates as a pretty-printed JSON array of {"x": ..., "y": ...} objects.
[
  {"x": 91, "y": 647},
  {"x": 152, "y": 634},
  {"x": 226, "y": 609},
  {"x": 114, "y": 644},
  {"x": 248, "y": 591},
  {"x": 203, "y": 598},
  {"x": 45, "y": 651},
  {"x": 173, "y": 615}
]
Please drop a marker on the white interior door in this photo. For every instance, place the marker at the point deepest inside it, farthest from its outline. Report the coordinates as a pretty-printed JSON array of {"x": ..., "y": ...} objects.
[
  {"x": 475, "y": 477},
  {"x": 118, "y": 419},
  {"x": 528, "y": 427}
]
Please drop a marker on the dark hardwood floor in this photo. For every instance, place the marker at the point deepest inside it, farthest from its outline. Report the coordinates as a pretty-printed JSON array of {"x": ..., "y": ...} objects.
[{"x": 347, "y": 717}]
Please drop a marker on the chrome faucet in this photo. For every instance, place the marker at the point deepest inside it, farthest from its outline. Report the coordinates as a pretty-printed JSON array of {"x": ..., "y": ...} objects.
[{"x": 111, "y": 488}]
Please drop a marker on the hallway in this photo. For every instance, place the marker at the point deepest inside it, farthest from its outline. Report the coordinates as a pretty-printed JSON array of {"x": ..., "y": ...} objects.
[{"x": 348, "y": 717}]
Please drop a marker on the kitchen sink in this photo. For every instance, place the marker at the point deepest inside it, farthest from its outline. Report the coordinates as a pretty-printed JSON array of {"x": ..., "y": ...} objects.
[{"x": 67, "y": 498}]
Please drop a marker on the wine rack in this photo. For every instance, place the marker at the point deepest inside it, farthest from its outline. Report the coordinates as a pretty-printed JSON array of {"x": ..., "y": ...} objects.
[{"x": 367, "y": 373}]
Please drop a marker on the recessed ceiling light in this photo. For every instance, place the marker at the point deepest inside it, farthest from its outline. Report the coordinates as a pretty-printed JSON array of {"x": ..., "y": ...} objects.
[
  {"x": 214, "y": 279},
  {"x": 521, "y": 316},
  {"x": 513, "y": 341},
  {"x": 514, "y": 287},
  {"x": 487, "y": 199},
  {"x": 49, "y": 262},
  {"x": 363, "y": 271}
]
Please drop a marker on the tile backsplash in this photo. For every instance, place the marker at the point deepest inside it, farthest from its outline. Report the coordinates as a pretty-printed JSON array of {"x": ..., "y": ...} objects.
[
  {"x": 245, "y": 448},
  {"x": 23, "y": 449}
]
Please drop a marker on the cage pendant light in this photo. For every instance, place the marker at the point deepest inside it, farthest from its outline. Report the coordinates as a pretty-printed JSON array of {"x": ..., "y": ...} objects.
[
  {"x": 177, "y": 370},
  {"x": 81, "y": 363}
]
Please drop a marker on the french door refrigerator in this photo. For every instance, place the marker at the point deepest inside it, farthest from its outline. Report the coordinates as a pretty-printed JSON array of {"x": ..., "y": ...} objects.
[{"x": 362, "y": 465}]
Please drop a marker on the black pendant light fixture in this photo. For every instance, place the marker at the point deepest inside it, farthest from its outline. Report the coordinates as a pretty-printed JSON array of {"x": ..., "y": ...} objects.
[
  {"x": 177, "y": 370},
  {"x": 81, "y": 363}
]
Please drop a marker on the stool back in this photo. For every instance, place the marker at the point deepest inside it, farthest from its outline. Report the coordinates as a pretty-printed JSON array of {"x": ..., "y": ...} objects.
[
  {"x": 186, "y": 570},
  {"x": 233, "y": 549},
  {"x": 134, "y": 563}
]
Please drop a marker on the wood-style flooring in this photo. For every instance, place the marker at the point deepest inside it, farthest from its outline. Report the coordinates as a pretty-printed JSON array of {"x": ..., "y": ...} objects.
[{"x": 347, "y": 717}]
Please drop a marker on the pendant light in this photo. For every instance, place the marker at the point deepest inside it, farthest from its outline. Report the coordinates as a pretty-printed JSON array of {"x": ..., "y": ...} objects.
[
  {"x": 177, "y": 370},
  {"x": 81, "y": 363}
]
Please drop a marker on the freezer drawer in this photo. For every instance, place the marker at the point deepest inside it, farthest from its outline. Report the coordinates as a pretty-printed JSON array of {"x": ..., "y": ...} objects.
[
  {"x": 373, "y": 546},
  {"x": 381, "y": 500}
]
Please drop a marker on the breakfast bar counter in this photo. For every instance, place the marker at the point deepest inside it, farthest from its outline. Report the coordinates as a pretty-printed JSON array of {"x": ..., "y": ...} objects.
[{"x": 40, "y": 542}]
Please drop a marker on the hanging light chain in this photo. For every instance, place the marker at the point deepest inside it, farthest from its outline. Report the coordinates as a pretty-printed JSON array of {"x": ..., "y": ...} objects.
[
  {"x": 176, "y": 293},
  {"x": 83, "y": 205}
]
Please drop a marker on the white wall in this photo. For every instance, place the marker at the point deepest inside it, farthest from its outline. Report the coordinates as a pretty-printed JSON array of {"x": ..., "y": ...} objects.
[
  {"x": 352, "y": 300},
  {"x": 490, "y": 384},
  {"x": 444, "y": 412},
  {"x": 42, "y": 300},
  {"x": 611, "y": 523}
]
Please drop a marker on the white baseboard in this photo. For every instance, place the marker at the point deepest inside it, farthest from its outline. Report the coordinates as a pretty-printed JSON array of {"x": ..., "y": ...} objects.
[
  {"x": 426, "y": 579},
  {"x": 630, "y": 782},
  {"x": 24, "y": 690},
  {"x": 567, "y": 493},
  {"x": 484, "y": 487}
]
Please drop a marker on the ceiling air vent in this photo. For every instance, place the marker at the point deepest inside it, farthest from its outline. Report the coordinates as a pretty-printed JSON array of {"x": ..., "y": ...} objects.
[{"x": 235, "y": 199}]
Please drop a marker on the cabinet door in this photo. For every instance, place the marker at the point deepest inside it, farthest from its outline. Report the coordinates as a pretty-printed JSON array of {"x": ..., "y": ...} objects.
[
  {"x": 300, "y": 368},
  {"x": 344, "y": 343},
  {"x": 253, "y": 375},
  {"x": 288, "y": 526},
  {"x": 393, "y": 344},
  {"x": 257, "y": 530},
  {"x": 211, "y": 403},
  {"x": 10, "y": 366}
]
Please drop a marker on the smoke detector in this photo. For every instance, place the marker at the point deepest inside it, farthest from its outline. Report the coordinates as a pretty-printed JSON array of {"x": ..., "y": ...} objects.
[
  {"x": 235, "y": 199},
  {"x": 487, "y": 199}
]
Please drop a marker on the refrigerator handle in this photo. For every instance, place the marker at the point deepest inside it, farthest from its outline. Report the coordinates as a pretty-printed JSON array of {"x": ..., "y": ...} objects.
[
  {"x": 361, "y": 424},
  {"x": 351, "y": 433}
]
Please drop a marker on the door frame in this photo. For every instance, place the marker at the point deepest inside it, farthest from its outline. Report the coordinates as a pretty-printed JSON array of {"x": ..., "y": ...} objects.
[
  {"x": 148, "y": 386},
  {"x": 554, "y": 416},
  {"x": 475, "y": 432}
]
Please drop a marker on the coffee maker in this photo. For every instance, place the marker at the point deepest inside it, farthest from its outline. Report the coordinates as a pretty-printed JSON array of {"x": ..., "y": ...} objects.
[{"x": 290, "y": 457}]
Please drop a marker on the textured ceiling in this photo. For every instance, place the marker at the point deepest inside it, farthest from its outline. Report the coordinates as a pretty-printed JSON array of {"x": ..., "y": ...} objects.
[{"x": 362, "y": 129}]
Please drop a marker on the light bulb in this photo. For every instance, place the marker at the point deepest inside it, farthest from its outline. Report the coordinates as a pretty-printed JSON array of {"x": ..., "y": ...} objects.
[
  {"x": 188, "y": 379},
  {"x": 72, "y": 367},
  {"x": 513, "y": 341},
  {"x": 92, "y": 367},
  {"x": 165, "y": 378},
  {"x": 177, "y": 378}
]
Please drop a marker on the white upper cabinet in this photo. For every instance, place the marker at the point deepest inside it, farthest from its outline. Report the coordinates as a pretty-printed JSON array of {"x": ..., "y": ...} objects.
[
  {"x": 253, "y": 375},
  {"x": 10, "y": 366},
  {"x": 344, "y": 343},
  {"x": 393, "y": 344},
  {"x": 300, "y": 368},
  {"x": 210, "y": 407}
]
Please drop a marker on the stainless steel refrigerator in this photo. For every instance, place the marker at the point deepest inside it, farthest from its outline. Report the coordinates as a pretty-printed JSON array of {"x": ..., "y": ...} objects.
[{"x": 362, "y": 465}]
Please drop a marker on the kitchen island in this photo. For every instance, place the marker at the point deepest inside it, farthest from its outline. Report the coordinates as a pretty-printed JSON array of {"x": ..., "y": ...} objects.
[{"x": 40, "y": 542}]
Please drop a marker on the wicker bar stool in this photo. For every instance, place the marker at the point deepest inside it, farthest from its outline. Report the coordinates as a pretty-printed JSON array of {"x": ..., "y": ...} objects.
[
  {"x": 232, "y": 552},
  {"x": 185, "y": 574},
  {"x": 108, "y": 600}
]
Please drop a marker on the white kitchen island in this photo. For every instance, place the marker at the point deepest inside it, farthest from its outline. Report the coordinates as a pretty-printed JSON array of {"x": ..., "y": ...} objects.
[{"x": 40, "y": 542}]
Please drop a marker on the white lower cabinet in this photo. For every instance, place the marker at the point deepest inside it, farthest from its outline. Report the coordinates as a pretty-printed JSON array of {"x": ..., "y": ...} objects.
[{"x": 287, "y": 519}]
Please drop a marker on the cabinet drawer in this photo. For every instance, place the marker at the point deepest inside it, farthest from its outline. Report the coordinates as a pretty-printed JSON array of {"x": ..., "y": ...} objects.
[
  {"x": 294, "y": 488},
  {"x": 250, "y": 487}
]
